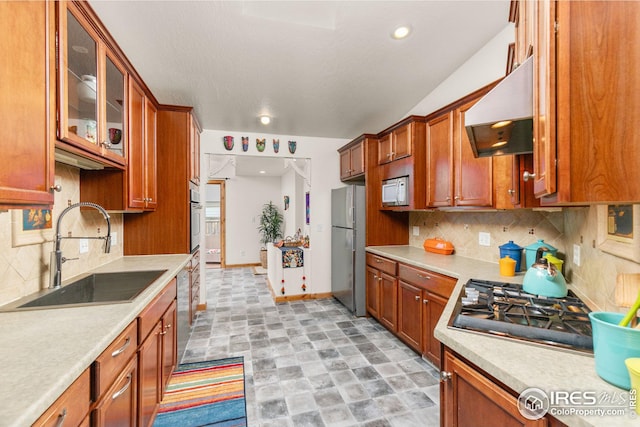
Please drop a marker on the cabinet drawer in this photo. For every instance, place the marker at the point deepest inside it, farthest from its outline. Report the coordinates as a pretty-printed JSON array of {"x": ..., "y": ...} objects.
[
  {"x": 111, "y": 362},
  {"x": 154, "y": 311},
  {"x": 70, "y": 408},
  {"x": 433, "y": 282},
  {"x": 382, "y": 264}
]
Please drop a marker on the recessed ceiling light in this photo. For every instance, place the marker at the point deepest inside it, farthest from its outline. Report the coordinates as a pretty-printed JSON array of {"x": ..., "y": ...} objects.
[
  {"x": 265, "y": 120},
  {"x": 401, "y": 32},
  {"x": 263, "y": 171}
]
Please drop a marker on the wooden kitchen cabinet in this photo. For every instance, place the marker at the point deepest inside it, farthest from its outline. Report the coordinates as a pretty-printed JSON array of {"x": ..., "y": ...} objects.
[
  {"x": 157, "y": 353},
  {"x": 194, "y": 150},
  {"x": 352, "y": 159},
  {"x": 134, "y": 189},
  {"x": 72, "y": 408},
  {"x": 410, "y": 322},
  {"x": 382, "y": 290},
  {"x": 397, "y": 143},
  {"x": 454, "y": 176},
  {"x": 92, "y": 80},
  {"x": 118, "y": 406},
  {"x": 521, "y": 13},
  {"x": 470, "y": 398},
  {"x": 422, "y": 297},
  {"x": 27, "y": 104},
  {"x": 510, "y": 190},
  {"x": 586, "y": 108},
  {"x": 173, "y": 155}
]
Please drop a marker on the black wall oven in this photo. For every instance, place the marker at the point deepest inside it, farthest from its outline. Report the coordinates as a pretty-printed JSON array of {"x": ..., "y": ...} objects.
[{"x": 196, "y": 217}]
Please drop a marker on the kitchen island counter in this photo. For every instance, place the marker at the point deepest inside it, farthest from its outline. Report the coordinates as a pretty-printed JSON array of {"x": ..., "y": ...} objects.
[
  {"x": 43, "y": 351},
  {"x": 516, "y": 364}
]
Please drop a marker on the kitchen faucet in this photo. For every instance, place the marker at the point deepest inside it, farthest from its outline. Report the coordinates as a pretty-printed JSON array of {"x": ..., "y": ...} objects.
[{"x": 56, "y": 256}]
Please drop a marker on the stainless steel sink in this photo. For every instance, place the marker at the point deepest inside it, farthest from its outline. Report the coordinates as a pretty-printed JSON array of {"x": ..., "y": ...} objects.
[{"x": 96, "y": 288}]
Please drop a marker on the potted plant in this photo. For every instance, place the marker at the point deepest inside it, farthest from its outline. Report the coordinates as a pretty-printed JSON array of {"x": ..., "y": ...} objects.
[{"x": 270, "y": 228}]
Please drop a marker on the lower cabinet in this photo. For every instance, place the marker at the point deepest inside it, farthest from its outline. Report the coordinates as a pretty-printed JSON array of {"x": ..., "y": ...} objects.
[
  {"x": 194, "y": 288},
  {"x": 408, "y": 301},
  {"x": 422, "y": 297},
  {"x": 118, "y": 406},
  {"x": 157, "y": 353},
  {"x": 470, "y": 398},
  {"x": 382, "y": 290},
  {"x": 72, "y": 408},
  {"x": 125, "y": 384}
]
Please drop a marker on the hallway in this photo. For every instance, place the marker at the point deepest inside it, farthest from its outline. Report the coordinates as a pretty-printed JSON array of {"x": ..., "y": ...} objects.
[{"x": 310, "y": 363}]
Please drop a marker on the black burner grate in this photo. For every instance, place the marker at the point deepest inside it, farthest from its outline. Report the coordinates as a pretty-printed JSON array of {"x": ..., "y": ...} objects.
[{"x": 504, "y": 309}]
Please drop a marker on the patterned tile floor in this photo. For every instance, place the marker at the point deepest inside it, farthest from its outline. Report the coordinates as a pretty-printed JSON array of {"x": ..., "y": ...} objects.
[{"x": 311, "y": 363}]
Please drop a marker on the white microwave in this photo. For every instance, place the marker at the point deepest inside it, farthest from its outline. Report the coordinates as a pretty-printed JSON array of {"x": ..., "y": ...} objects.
[{"x": 395, "y": 192}]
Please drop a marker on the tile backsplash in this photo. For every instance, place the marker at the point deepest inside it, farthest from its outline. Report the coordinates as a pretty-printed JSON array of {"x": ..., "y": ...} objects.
[
  {"x": 594, "y": 279},
  {"x": 25, "y": 269}
]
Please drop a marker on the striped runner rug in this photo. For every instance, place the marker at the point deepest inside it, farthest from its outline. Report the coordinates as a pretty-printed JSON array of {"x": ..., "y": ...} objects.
[{"x": 207, "y": 393}]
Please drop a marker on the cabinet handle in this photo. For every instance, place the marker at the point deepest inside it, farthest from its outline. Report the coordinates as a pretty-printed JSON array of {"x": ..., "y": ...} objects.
[
  {"x": 511, "y": 191},
  {"x": 61, "y": 416},
  {"x": 378, "y": 260},
  {"x": 457, "y": 198},
  {"x": 417, "y": 297},
  {"x": 106, "y": 144},
  {"x": 448, "y": 199},
  {"x": 121, "y": 349},
  {"x": 379, "y": 279},
  {"x": 526, "y": 176},
  {"x": 425, "y": 301},
  {"x": 423, "y": 277},
  {"x": 445, "y": 376},
  {"x": 120, "y": 392},
  {"x": 57, "y": 188}
]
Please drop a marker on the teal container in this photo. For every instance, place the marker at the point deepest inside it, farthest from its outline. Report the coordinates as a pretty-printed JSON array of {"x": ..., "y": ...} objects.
[
  {"x": 530, "y": 252},
  {"x": 612, "y": 344},
  {"x": 513, "y": 251}
]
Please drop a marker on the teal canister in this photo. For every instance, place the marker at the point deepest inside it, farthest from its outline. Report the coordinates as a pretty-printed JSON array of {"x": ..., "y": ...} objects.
[
  {"x": 530, "y": 252},
  {"x": 513, "y": 251}
]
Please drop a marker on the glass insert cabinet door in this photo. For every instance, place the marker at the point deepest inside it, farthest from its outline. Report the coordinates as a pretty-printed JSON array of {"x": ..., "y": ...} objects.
[{"x": 92, "y": 88}]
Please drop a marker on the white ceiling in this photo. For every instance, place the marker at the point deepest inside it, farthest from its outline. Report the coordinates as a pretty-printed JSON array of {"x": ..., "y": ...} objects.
[{"x": 319, "y": 68}]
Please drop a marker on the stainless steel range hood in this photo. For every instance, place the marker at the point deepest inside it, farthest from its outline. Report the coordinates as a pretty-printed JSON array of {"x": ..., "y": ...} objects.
[{"x": 502, "y": 121}]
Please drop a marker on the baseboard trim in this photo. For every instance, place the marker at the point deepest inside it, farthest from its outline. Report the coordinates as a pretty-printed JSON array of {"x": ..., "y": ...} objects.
[
  {"x": 255, "y": 264},
  {"x": 298, "y": 297}
]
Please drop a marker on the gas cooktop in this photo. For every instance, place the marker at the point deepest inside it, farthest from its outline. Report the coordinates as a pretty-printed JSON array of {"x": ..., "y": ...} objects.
[{"x": 505, "y": 310}]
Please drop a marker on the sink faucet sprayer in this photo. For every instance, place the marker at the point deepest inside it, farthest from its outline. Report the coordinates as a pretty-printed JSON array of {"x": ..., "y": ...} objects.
[{"x": 56, "y": 256}]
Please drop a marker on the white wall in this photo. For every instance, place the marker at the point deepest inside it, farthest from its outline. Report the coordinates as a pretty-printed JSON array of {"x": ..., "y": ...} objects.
[
  {"x": 324, "y": 176},
  {"x": 486, "y": 66}
]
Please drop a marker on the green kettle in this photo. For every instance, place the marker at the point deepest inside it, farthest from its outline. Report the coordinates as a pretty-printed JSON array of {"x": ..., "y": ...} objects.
[{"x": 543, "y": 278}]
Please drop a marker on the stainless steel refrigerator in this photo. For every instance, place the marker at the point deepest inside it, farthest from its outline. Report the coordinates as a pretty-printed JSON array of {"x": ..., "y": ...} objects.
[{"x": 347, "y": 247}]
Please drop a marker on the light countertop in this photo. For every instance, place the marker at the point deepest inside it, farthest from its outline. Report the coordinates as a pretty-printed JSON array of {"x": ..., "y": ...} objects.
[
  {"x": 44, "y": 351},
  {"x": 516, "y": 364}
]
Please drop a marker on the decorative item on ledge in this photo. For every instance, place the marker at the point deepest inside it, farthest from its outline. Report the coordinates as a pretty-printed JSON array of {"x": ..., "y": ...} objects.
[
  {"x": 292, "y": 146},
  {"x": 276, "y": 145},
  {"x": 228, "y": 142},
  {"x": 260, "y": 144},
  {"x": 438, "y": 246},
  {"x": 245, "y": 143}
]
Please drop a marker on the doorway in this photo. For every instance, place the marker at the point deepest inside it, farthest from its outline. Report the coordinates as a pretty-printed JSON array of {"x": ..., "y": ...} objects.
[{"x": 214, "y": 224}]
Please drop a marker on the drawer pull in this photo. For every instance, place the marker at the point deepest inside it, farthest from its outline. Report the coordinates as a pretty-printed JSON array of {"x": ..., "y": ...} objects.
[
  {"x": 122, "y": 349},
  {"x": 61, "y": 416},
  {"x": 423, "y": 276},
  {"x": 120, "y": 392},
  {"x": 425, "y": 301},
  {"x": 379, "y": 261}
]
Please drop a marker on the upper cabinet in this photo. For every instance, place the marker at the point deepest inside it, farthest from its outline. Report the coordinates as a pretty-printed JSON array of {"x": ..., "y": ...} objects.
[
  {"x": 454, "y": 176},
  {"x": 194, "y": 150},
  {"x": 27, "y": 95},
  {"x": 352, "y": 159},
  {"x": 586, "y": 107},
  {"x": 396, "y": 143},
  {"x": 92, "y": 84}
]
